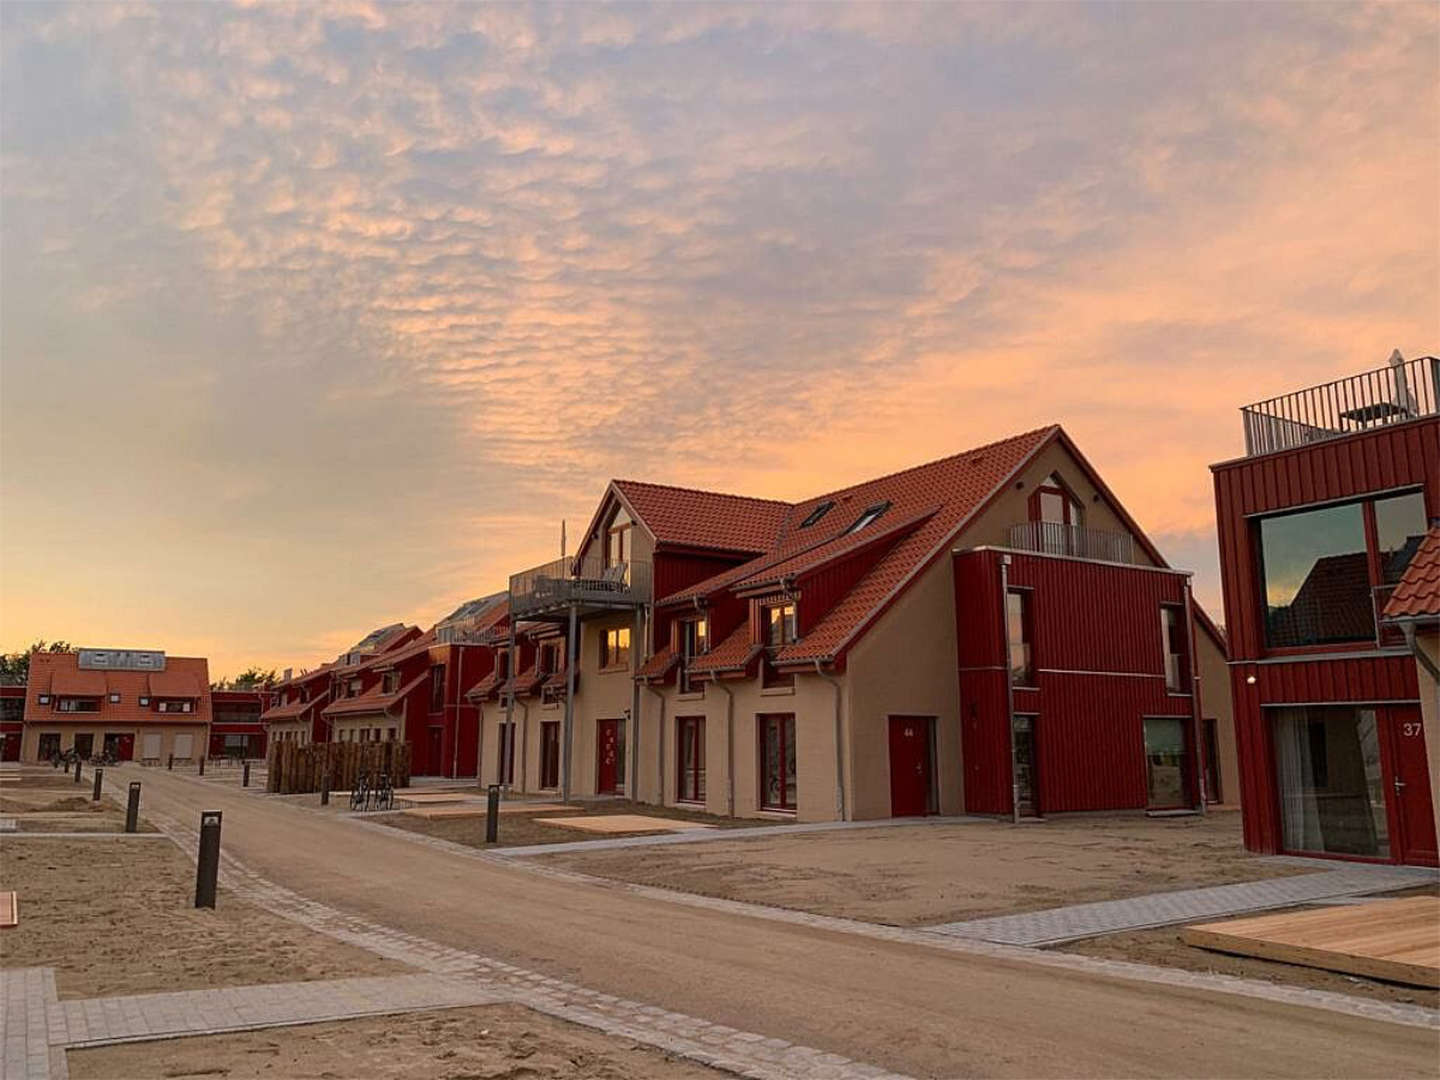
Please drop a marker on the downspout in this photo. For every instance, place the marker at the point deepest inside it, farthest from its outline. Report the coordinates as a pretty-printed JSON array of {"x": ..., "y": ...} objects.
[
  {"x": 1196, "y": 723},
  {"x": 1009, "y": 685},
  {"x": 660, "y": 740},
  {"x": 729, "y": 745},
  {"x": 1421, "y": 656},
  {"x": 839, "y": 744},
  {"x": 524, "y": 738}
]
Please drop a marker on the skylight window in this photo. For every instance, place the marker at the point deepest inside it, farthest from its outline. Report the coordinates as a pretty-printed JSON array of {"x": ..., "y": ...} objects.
[
  {"x": 870, "y": 514},
  {"x": 816, "y": 514}
]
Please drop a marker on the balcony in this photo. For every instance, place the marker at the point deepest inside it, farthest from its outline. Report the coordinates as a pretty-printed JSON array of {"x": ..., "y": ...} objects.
[
  {"x": 1401, "y": 391},
  {"x": 553, "y": 589},
  {"x": 1074, "y": 541}
]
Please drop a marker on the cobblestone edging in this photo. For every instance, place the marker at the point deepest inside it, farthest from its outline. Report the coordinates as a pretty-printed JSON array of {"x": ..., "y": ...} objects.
[
  {"x": 743, "y": 1053},
  {"x": 1396, "y": 1013}
]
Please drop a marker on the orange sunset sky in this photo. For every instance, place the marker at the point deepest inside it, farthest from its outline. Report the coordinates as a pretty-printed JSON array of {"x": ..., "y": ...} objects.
[{"x": 322, "y": 317}]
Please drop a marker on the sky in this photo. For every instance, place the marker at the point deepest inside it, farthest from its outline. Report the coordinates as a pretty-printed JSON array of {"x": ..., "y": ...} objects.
[{"x": 322, "y": 317}]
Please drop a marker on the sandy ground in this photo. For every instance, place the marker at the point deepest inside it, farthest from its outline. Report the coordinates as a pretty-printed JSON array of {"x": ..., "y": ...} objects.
[
  {"x": 921, "y": 875},
  {"x": 46, "y": 800},
  {"x": 116, "y": 916},
  {"x": 454, "y": 1044},
  {"x": 520, "y": 829}
]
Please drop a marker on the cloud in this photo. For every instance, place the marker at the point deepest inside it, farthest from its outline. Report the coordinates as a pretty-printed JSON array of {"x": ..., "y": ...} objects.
[{"x": 327, "y": 314}]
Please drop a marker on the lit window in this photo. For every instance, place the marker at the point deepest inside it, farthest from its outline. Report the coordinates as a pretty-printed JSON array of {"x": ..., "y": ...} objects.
[
  {"x": 615, "y": 647},
  {"x": 694, "y": 641},
  {"x": 870, "y": 514},
  {"x": 777, "y": 623},
  {"x": 816, "y": 514}
]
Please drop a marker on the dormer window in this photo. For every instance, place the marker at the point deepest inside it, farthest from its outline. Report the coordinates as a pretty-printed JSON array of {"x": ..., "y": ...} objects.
[
  {"x": 818, "y": 513},
  {"x": 352, "y": 687},
  {"x": 44, "y": 699},
  {"x": 870, "y": 515},
  {"x": 114, "y": 699},
  {"x": 390, "y": 682},
  {"x": 778, "y": 625},
  {"x": 144, "y": 701}
]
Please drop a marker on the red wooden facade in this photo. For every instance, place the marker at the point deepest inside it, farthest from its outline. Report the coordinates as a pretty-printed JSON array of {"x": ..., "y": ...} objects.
[
  {"x": 1098, "y": 658},
  {"x": 236, "y": 714},
  {"x": 12, "y": 721},
  {"x": 1375, "y": 673}
]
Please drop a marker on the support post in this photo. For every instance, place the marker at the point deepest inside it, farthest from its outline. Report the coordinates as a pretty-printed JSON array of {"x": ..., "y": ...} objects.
[
  {"x": 492, "y": 814},
  {"x": 245, "y": 774},
  {"x": 95, "y": 795},
  {"x": 132, "y": 807},
  {"x": 572, "y": 646},
  {"x": 207, "y": 864}
]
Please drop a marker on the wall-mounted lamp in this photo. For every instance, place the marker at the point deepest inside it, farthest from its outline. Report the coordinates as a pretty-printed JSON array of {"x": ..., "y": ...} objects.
[{"x": 1249, "y": 680}]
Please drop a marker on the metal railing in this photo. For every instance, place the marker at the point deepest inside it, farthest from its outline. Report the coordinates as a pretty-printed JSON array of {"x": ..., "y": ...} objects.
[
  {"x": 1057, "y": 538},
  {"x": 1401, "y": 391},
  {"x": 588, "y": 582}
]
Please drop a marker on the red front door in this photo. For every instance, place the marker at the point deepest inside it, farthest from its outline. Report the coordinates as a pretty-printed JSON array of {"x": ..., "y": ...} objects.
[
  {"x": 125, "y": 747},
  {"x": 1410, "y": 796},
  {"x": 910, "y": 765},
  {"x": 10, "y": 746},
  {"x": 607, "y": 756}
]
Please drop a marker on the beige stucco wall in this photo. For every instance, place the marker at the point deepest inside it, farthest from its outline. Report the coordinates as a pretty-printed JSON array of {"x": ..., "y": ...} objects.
[
  {"x": 1216, "y": 702},
  {"x": 601, "y": 695},
  {"x": 30, "y": 741},
  {"x": 345, "y": 730},
  {"x": 300, "y": 730},
  {"x": 906, "y": 666}
]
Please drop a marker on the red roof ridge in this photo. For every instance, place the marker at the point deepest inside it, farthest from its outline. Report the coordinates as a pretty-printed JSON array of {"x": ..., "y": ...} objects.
[{"x": 701, "y": 491}]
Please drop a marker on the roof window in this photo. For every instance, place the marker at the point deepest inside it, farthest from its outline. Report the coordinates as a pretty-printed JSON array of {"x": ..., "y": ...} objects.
[
  {"x": 870, "y": 514},
  {"x": 818, "y": 513}
]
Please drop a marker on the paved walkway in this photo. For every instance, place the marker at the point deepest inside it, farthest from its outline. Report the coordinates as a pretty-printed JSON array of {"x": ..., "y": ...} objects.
[
  {"x": 697, "y": 836},
  {"x": 1056, "y": 925}
]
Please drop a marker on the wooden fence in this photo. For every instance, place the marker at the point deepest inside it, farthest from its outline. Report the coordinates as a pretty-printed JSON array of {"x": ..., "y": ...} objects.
[{"x": 293, "y": 768}]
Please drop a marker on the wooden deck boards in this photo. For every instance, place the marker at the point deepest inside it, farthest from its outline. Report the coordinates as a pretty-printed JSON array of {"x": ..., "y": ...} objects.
[{"x": 1395, "y": 940}]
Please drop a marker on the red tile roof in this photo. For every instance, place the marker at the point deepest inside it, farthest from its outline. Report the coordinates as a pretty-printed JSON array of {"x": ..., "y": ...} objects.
[
  {"x": 1418, "y": 594},
  {"x": 172, "y": 683},
  {"x": 685, "y": 517},
  {"x": 60, "y": 674},
  {"x": 294, "y": 709},
  {"x": 374, "y": 700},
  {"x": 659, "y": 665},
  {"x": 423, "y": 644},
  {"x": 735, "y": 653}
]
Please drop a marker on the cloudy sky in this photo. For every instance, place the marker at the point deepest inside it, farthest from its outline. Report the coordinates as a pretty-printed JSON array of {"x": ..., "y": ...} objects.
[{"x": 318, "y": 318}]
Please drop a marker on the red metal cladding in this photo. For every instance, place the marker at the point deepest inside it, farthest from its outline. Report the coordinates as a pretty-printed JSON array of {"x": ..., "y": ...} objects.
[
  {"x": 1098, "y": 652},
  {"x": 1403, "y": 455}
]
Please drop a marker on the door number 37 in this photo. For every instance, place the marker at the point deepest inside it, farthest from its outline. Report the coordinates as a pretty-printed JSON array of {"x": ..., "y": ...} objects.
[{"x": 1410, "y": 727}]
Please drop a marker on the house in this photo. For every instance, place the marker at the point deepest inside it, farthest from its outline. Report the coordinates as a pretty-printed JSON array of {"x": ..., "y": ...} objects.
[
  {"x": 130, "y": 703},
  {"x": 296, "y": 713},
  {"x": 236, "y": 730},
  {"x": 12, "y": 721},
  {"x": 1328, "y": 561},
  {"x": 989, "y": 633},
  {"x": 416, "y": 692}
]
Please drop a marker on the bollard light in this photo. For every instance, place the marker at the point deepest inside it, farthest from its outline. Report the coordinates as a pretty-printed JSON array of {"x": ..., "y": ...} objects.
[
  {"x": 77, "y": 770},
  {"x": 207, "y": 864},
  {"x": 132, "y": 808},
  {"x": 492, "y": 814},
  {"x": 95, "y": 795},
  {"x": 245, "y": 775},
  {"x": 202, "y": 764}
]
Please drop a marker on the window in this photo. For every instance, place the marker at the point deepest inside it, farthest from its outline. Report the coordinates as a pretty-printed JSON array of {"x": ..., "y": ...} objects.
[
  {"x": 1213, "y": 793},
  {"x": 777, "y": 624},
  {"x": 1320, "y": 568},
  {"x": 1019, "y": 630},
  {"x": 816, "y": 514},
  {"x": 1057, "y": 514},
  {"x": 390, "y": 682},
  {"x": 114, "y": 699},
  {"x": 12, "y": 708},
  {"x": 1177, "y": 648},
  {"x": 390, "y": 734},
  {"x": 870, "y": 514},
  {"x": 615, "y": 647},
  {"x": 144, "y": 701},
  {"x": 694, "y": 641},
  {"x": 550, "y": 754},
  {"x": 777, "y": 761},
  {"x": 352, "y": 688},
  {"x": 549, "y": 658},
  {"x": 1332, "y": 794},
  {"x": 1167, "y": 763},
  {"x": 49, "y": 744},
  {"x": 437, "y": 687},
  {"x": 690, "y": 754},
  {"x": 502, "y": 664},
  {"x": 618, "y": 540},
  {"x": 44, "y": 699},
  {"x": 73, "y": 705}
]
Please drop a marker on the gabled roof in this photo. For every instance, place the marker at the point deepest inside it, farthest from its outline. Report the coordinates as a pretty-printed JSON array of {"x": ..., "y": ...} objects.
[
  {"x": 735, "y": 653},
  {"x": 294, "y": 709},
  {"x": 423, "y": 644},
  {"x": 687, "y": 518},
  {"x": 1417, "y": 596},
  {"x": 659, "y": 665},
  {"x": 60, "y": 674}
]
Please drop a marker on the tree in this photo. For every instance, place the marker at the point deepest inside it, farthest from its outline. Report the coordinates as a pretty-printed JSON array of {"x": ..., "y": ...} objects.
[
  {"x": 15, "y": 666},
  {"x": 252, "y": 678}
]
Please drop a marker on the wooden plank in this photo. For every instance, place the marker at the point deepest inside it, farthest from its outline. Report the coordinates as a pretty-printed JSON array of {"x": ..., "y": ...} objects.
[
  {"x": 1395, "y": 940},
  {"x": 9, "y": 910}
]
